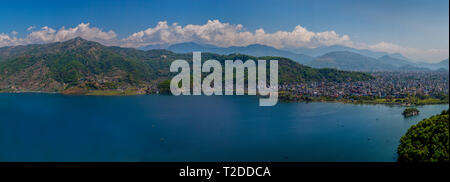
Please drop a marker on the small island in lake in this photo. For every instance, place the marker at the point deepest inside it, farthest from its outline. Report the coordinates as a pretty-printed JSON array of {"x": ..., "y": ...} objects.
[{"x": 410, "y": 112}]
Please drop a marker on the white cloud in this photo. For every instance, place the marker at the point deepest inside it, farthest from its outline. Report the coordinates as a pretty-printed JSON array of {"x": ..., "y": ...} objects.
[
  {"x": 48, "y": 35},
  {"x": 216, "y": 33},
  {"x": 30, "y": 28},
  {"x": 6, "y": 40},
  {"x": 224, "y": 34}
]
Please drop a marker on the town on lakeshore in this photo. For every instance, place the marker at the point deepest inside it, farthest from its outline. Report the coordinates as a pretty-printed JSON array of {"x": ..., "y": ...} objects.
[{"x": 403, "y": 88}]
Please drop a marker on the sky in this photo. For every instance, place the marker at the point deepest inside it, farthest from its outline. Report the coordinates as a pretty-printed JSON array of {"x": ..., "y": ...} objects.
[{"x": 418, "y": 29}]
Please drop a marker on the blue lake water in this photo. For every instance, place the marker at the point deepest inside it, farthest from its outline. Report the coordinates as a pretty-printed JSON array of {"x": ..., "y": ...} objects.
[{"x": 53, "y": 127}]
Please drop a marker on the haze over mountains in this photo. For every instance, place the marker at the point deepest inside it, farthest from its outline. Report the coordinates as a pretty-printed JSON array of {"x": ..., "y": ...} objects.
[
  {"x": 346, "y": 60},
  {"x": 253, "y": 50},
  {"x": 319, "y": 51},
  {"x": 336, "y": 56}
]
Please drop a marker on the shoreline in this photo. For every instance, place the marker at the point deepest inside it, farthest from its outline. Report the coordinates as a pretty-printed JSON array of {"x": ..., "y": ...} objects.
[
  {"x": 135, "y": 93},
  {"x": 369, "y": 103},
  {"x": 365, "y": 103}
]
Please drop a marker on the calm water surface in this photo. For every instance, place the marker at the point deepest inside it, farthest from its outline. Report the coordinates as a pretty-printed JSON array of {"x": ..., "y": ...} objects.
[{"x": 53, "y": 127}]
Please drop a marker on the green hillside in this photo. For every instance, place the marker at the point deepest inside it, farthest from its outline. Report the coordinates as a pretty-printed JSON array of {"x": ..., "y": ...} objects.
[
  {"x": 427, "y": 141},
  {"x": 79, "y": 63}
]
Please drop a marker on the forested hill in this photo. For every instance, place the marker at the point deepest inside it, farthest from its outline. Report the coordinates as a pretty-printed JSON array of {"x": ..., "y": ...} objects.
[
  {"x": 85, "y": 64},
  {"x": 427, "y": 141}
]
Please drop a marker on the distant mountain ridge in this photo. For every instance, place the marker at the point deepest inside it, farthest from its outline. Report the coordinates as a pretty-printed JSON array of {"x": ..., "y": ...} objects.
[
  {"x": 379, "y": 61},
  {"x": 444, "y": 63},
  {"x": 319, "y": 51},
  {"x": 395, "y": 61},
  {"x": 311, "y": 52},
  {"x": 351, "y": 61},
  {"x": 252, "y": 50},
  {"x": 399, "y": 56},
  {"x": 347, "y": 60}
]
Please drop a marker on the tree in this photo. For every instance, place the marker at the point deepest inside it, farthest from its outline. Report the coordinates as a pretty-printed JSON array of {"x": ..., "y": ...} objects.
[{"x": 164, "y": 87}]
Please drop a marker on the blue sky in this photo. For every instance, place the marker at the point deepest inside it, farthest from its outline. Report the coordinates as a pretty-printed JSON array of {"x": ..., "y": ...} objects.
[{"x": 417, "y": 24}]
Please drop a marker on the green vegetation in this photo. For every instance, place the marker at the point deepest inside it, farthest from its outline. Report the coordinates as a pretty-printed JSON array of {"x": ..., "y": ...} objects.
[
  {"x": 87, "y": 65},
  {"x": 410, "y": 112},
  {"x": 411, "y": 100},
  {"x": 290, "y": 71},
  {"x": 426, "y": 141},
  {"x": 164, "y": 87},
  {"x": 129, "y": 91}
]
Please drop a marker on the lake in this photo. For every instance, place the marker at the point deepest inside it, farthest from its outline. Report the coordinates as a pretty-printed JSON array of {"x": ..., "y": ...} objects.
[{"x": 54, "y": 127}]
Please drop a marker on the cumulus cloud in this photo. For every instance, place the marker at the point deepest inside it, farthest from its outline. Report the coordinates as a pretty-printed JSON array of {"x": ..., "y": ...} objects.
[
  {"x": 224, "y": 34},
  {"x": 6, "y": 40},
  {"x": 213, "y": 32},
  {"x": 48, "y": 35},
  {"x": 30, "y": 28}
]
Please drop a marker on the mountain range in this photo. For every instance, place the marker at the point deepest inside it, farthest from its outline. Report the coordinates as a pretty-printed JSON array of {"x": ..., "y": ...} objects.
[
  {"x": 335, "y": 56},
  {"x": 315, "y": 52},
  {"x": 253, "y": 50},
  {"x": 442, "y": 65},
  {"x": 88, "y": 65},
  {"x": 346, "y": 60}
]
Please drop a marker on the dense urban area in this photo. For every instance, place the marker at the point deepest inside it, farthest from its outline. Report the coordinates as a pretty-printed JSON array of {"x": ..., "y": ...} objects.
[{"x": 388, "y": 87}]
